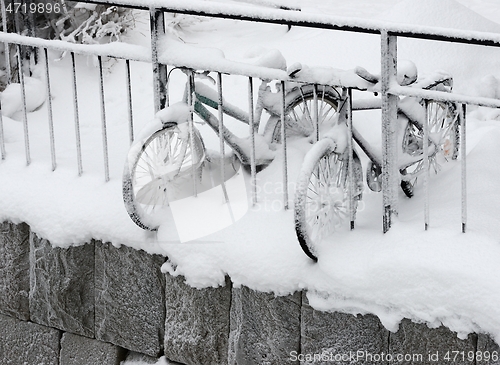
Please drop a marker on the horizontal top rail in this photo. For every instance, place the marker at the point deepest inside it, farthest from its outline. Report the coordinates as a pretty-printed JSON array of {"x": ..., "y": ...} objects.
[
  {"x": 444, "y": 96},
  {"x": 182, "y": 55},
  {"x": 314, "y": 20},
  {"x": 116, "y": 49}
]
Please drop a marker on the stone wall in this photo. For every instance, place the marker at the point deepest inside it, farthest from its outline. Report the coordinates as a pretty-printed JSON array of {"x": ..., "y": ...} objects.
[{"x": 97, "y": 304}]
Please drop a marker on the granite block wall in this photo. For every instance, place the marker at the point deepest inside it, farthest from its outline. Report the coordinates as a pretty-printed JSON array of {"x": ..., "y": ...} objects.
[{"x": 97, "y": 304}]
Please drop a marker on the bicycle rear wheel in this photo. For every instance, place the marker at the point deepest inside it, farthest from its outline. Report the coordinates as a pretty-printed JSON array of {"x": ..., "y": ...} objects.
[
  {"x": 322, "y": 195},
  {"x": 159, "y": 170},
  {"x": 443, "y": 134},
  {"x": 299, "y": 110}
]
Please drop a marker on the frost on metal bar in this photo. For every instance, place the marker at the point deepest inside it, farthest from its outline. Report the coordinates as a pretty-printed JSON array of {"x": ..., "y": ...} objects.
[
  {"x": 116, "y": 49},
  {"x": 231, "y": 10},
  {"x": 25, "y": 113},
  {"x": 463, "y": 154},
  {"x": 251, "y": 122},
  {"x": 129, "y": 102},
  {"x": 389, "y": 129},
  {"x": 350, "y": 167},
  {"x": 2, "y": 138},
  {"x": 425, "y": 156},
  {"x": 220, "y": 109},
  {"x": 49, "y": 111},
  {"x": 77, "y": 118},
  {"x": 315, "y": 112},
  {"x": 6, "y": 44},
  {"x": 283, "y": 145},
  {"x": 157, "y": 23},
  {"x": 444, "y": 96},
  {"x": 103, "y": 122},
  {"x": 191, "y": 102}
]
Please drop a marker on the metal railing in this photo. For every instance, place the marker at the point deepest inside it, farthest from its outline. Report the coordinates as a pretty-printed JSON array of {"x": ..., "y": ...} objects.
[{"x": 390, "y": 90}]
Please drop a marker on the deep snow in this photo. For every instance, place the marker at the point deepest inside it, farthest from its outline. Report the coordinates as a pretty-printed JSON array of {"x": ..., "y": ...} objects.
[{"x": 436, "y": 276}]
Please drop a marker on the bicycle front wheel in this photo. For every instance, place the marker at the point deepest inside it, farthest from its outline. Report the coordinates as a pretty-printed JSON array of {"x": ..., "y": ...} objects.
[
  {"x": 322, "y": 195},
  {"x": 300, "y": 111},
  {"x": 160, "y": 170}
]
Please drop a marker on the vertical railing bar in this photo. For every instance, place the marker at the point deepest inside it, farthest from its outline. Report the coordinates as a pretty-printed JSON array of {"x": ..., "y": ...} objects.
[
  {"x": 103, "y": 122},
  {"x": 167, "y": 88},
  {"x": 251, "y": 122},
  {"x": 76, "y": 116},
  {"x": 154, "y": 58},
  {"x": 157, "y": 25},
  {"x": 283, "y": 145},
  {"x": 220, "y": 107},
  {"x": 463, "y": 154},
  {"x": 129, "y": 102},
  {"x": 389, "y": 129},
  {"x": 25, "y": 113},
  {"x": 315, "y": 112},
  {"x": 49, "y": 111},
  {"x": 32, "y": 32},
  {"x": 425, "y": 156},
  {"x": 7, "y": 65},
  {"x": 350, "y": 166},
  {"x": 6, "y": 44},
  {"x": 191, "y": 102},
  {"x": 2, "y": 138}
]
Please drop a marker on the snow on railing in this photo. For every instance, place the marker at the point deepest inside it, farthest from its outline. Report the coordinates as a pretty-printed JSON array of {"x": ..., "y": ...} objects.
[{"x": 160, "y": 58}]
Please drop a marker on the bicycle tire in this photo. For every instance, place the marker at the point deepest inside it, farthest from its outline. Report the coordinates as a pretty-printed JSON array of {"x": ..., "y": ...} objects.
[
  {"x": 154, "y": 170},
  {"x": 321, "y": 198},
  {"x": 443, "y": 130},
  {"x": 298, "y": 112}
]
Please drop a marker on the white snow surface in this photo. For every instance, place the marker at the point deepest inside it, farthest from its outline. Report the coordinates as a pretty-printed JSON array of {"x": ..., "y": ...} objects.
[{"x": 439, "y": 276}]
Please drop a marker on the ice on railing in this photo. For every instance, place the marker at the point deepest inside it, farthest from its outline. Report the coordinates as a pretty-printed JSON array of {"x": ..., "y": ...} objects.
[{"x": 115, "y": 49}]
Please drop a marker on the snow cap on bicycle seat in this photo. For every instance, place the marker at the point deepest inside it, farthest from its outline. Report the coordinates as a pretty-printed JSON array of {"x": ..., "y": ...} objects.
[
  {"x": 407, "y": 72},
  {"x": 176, "y": 113}
]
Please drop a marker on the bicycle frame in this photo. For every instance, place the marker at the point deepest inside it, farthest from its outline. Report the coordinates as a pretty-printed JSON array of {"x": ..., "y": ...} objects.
[
  {"x": 204, "y": 95},
  {"x": 405, "y": 116}
]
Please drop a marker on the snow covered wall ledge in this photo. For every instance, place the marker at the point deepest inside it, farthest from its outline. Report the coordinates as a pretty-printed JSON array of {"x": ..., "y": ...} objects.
[{"x": 99, "y": 304}]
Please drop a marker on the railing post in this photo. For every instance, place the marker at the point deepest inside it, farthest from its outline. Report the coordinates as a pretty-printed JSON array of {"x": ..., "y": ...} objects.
[
  {"x": 157, "y": 24},
  {"x": 283, "y": 145},
  {"x": 350, "y": 154},
  {"x": 6, "y": 45},
  {"x": 389, "y": 128},
  {"x": 462, "y": 109}
]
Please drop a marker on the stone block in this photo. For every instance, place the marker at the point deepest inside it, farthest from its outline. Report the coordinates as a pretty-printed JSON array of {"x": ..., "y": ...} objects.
[
  {"x": 26, "y": 343},
  {"x": 78, "y": 350},
  {"x": 265, "y": 329},
  {"x": 424, "y": 345},
  {"x": 197, "y": 323},
  {"x": 488, "y": 350},
  {"x": 129, "y": 298},
  {"x": 62, "y": 286},
  {"x": 333, "y": 337},
  {"x": 14, "y": 270},
  {"x": 136, "y": 358}
]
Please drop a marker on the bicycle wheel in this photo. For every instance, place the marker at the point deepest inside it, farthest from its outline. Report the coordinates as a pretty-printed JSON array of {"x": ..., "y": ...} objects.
[
  {"x": 322, "y": 197},
  {"x": 444, "y": 136},
  {"x": 159, "y": 170},
  {"x": 299, "y": 111}
]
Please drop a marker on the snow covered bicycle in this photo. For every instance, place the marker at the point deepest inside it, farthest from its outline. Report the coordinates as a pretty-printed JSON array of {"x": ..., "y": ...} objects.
[
  {"x": 169, "y": 161},
  {"x": 325, "y": 191}
]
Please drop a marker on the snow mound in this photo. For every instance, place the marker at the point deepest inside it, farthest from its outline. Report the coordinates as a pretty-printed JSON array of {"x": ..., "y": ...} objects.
[
  {"x": 439, "y": 13},
  {"x": 466, "y": 63},
  {"x": 11, "y": 97}
]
